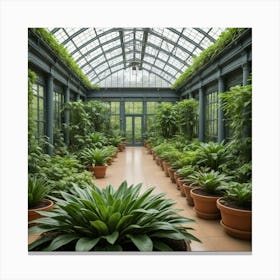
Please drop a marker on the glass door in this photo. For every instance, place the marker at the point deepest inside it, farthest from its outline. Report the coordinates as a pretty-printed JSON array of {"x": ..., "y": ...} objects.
[{"x": 134, "y": 130}]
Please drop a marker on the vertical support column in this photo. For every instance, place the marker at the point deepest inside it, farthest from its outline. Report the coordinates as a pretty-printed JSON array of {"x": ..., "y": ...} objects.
[
  {"x": 245, "y": 74},
  {"x": 201, "y": 133},
  {"x": 221, "y": 129},
  {"x": 144, "y": 119},
  {"x": 122, "y": 108},
  {"x": 49, "y": 117},
  {"x": 67, "y": 115},
  {"x": 78, "y": 96}
]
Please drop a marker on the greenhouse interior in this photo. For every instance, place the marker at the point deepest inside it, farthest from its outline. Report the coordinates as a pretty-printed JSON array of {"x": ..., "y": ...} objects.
[{"x": 139, "y": 139}]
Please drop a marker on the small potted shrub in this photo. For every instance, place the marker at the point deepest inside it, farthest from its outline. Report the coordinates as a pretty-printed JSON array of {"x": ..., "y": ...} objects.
[
  {"x": 99, "y": 158},
  {"x": 236, "y": 210},
  {"x": 38, "y": 190},
  {"x": 185, "y": 182},
  {"x": 211, "y": 186},
  {"x": 122, "y": 219}
]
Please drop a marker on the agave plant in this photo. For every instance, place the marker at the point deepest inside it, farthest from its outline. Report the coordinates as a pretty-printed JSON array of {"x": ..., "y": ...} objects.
[
  {"x": 213, "y": 181},
  {"x": 109, "y": 219},
  {"x": 38, "y": 189}
]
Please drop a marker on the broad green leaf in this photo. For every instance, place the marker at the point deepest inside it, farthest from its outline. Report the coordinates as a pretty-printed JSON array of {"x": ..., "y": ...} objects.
[
  {"x": 100, "y": 226},
  {"x": 142, "y": 242},
  {"x": 112, "y": 237},
  {"x": 113, "y": 220},
  {"x": 60, "y": 241},
  {"x": 85, "y": 244},
  {"x": 161, "y": 246}
]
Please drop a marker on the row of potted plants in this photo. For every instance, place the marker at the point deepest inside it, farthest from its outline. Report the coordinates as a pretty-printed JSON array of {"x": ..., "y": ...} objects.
[{"x": 199, "y": 170}]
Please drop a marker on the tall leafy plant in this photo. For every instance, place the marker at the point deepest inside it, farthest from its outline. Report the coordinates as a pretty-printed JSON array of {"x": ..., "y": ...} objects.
[
  {"x": 166, "y": 119},
  {"x": 187, "y": 114},
  {"x": 237, "y": 106}
]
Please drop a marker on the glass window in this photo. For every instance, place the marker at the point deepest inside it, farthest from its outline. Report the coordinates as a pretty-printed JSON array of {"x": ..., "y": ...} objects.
[
  {"x": 58, "y": 99},
  {"x": 151, "y": 107},
  {"x": 211, "y": 116},
  {"x": 115, "y": 108},
  {"x": 133, "y": 107},
  {"x": 38, "y": 110}
]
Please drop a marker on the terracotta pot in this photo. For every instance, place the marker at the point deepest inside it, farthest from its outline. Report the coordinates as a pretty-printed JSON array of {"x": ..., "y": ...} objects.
[
  {"x": 181, "y": 182},
  {"x": 171, "y": 172},
  {"x": 99, "y": 171},
  {"x": 177, "y": 177},
  {"x": 120, "y": 148},
  {"x": 33, "y": 215},
  {"x": 154, "y": 155},
  {"x": 161, "y": 163},
  {"x": 109, "y": 162},
  {"x": 157, "y": 160},
  {"x": 90, "y": 167},
  {"x": 187, "y": 189},
  {"x": 165, "y": 167},
  {"x": 236, "y": 222},
  {"x": 205, "y": 206}
]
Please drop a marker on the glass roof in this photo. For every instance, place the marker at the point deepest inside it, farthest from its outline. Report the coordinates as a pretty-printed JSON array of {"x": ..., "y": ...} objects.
[{"x": 135, "y": 57}]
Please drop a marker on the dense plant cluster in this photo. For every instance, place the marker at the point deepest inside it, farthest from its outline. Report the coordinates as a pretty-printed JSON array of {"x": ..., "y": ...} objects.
[
  {"x": 63, "y": 55},
  {"x": 208, "y": 54},
  {"x": 68, "y": 166},
  {"x": 175, "y": 119},
  {"x": 109, "y": 219}
]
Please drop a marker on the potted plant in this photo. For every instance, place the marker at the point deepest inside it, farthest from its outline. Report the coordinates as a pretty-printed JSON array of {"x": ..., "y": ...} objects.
[
  {"x": 236, "y": 210},
  {"x": 38, "y": 190},
  {"x": 185, "y": 182},
  {"x": 99, "y": 158},
  {"x": 212, "y": 155},
  {"x": 122, "y": 219},
  {"x": 211, "y": 186}
]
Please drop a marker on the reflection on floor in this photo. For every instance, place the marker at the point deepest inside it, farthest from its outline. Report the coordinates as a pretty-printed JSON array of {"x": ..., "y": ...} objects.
[{"x": 135, "y": 166}]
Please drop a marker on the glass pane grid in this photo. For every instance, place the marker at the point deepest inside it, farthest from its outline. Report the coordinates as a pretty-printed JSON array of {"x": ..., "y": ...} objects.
[{"x": 96, "y": 57}]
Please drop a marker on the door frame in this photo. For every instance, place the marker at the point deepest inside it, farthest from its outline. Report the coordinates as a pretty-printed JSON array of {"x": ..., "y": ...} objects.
[{"x": 133, "y": 129}]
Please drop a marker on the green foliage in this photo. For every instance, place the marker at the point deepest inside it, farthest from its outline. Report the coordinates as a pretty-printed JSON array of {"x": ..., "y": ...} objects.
[
  {"x": 109, "y": 219},
  {"x": 38, "y": 189},
  {"x": 63, "y": 55},
  {"x": 166, "y": 120},
  {"x": 187, "y": 115},
  {"x": 88, "y": 123},
  {"x": 239, "y": 193},
  {"x": 237, "y": 106},
  {"x": 213, "y": 181},
  {"x": 62, "y": 172},
  {"x": 186, "y": 171},
  {"x": 31, "y": 122},
  {"x": 205, "y": 57},
  {"x": 212, "y": 155},
  {"x": 99, "y": 157}
]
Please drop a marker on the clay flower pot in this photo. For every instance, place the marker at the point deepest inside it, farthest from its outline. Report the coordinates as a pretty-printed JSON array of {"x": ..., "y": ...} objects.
[
  {"x": 177, "y": 177},
  {"x": 99, "y": 171},
  {"x": 165, "y": 167},
  {"x": 205, "y": 205},
  {"x": 236, "y": 222},
  {"x": 33, "y": 215},
  {"x": 171, "y": 172},
  {"x": 187, "y": 189},
  {"x": 181, "y": 182}
]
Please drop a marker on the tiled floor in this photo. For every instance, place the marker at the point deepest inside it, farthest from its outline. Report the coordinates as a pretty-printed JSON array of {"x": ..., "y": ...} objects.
[{"x": 135, "y": 166}]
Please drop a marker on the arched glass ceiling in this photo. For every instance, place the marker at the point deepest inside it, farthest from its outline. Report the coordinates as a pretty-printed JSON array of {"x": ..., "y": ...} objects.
[{"x": 135, "y": 57}]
